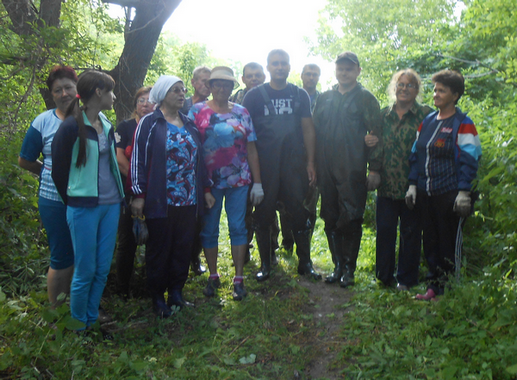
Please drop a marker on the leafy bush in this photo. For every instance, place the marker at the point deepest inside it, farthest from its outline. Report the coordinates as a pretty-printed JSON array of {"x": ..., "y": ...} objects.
[{"x": 23, "y": 251}]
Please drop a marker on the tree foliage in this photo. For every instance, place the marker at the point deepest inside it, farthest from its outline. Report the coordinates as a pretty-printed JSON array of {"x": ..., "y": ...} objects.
[{"x": 38, "y": 35}]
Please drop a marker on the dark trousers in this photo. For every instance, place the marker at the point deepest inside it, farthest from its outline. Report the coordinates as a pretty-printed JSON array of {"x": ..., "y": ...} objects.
[
  {"x": 126, "y": 248},
  {"x": 389, "y": 213},
  {"x": 168, "y": 249},
  {"x": 440, "y": 227},
  {"x": 289, "y": 187}
]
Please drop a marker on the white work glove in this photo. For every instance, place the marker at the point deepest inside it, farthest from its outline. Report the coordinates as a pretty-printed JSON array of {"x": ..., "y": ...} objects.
[
  {"x": 256, "y": 194},
  {"x": 373, "y": 181},
  {"x": 462, "y": 204},
  {"x": 411, "y": 197}
]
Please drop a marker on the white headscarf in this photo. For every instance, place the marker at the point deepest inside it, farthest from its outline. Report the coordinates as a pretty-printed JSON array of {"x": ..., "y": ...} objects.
[{"x": 161, "y": 87}]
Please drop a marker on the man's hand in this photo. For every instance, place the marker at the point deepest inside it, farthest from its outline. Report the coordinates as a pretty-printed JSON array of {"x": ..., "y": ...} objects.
[
  {"x": 209, "y": 200},
  {"x": 256, "y": 194},
  {"x": 137, "y": 207},
  {"x": 311, "y": 172},
  {"x": 411, "y": 197},
  {"x": 373, "y": 181},
  {"x": 371, "y": 140},
  {"x": 462, "y": 204}
]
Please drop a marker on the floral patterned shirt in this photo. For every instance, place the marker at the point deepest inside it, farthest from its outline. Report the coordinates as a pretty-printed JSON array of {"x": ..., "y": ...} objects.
[
  {"x": 225, "y": 138},
  {"x": 181, "y": 159},
  {"x": 398, "y": 136}
]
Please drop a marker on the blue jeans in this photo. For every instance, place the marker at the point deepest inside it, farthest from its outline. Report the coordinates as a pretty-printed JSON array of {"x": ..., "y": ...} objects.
[
  {"x": 389, "y": 212},
  {"x": 235, "y": 206},
  {"x": 53, "y": 216},
  {"x": 94, "y": 233}
]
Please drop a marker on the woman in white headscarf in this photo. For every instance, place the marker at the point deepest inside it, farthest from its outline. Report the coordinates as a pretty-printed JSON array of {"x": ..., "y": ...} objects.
[{"x": 168, "y": 178}]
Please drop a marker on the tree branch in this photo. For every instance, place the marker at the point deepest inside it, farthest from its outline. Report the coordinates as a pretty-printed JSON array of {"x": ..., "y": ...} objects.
[
  {"x": 479, "y": 63},
  {"x": 124, "y": 3}
]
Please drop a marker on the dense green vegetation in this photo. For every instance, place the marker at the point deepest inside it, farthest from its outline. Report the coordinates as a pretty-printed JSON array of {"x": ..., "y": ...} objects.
[{"x": 470, "y": 334}]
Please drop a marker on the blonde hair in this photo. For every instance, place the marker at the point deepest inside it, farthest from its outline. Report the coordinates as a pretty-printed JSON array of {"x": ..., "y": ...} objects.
[{"x": 414, "y": 78}]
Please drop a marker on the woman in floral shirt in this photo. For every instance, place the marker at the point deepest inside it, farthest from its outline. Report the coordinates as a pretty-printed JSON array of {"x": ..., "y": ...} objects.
[{"x": 231, "y": 159}]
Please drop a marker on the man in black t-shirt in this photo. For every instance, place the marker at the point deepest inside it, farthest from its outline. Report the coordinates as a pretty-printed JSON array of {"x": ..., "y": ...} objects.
[{"x": 281, "y": 115}]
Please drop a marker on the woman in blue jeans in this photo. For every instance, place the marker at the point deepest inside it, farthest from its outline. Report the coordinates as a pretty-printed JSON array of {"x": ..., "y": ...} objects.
[
  {"x": 87, "y": 178},
  {"x": 231, "y": 159},
  {"x": 61, "y": 82}
]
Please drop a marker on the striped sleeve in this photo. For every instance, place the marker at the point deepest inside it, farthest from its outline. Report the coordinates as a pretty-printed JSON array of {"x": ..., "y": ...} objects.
[
  {"x": 469, "y": 148},
  {"x": 468, "y": 140},
  {"x": 137, "y": 167}
]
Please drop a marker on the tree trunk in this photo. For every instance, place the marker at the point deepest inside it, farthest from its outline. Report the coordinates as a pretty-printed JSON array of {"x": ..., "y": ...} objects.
[
  {"x": 23, "y": 15},
  {"x": 140, "y": 43}
]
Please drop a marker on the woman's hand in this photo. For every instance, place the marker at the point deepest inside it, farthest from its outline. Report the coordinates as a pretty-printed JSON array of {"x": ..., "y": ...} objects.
[
  {"x": 371, "y": 140},
  {"x": 462, "y": 205},
  {"x": 373, "y": 181},
  {"x": 210, "y": 200},
  {"x": 256, "y": 194},
  {"x": 411, "y": 197},
  {"x": 137, "y": 207}
]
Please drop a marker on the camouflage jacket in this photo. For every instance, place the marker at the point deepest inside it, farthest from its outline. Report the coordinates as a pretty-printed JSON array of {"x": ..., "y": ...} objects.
[
  {"x": 398, "y": 136},
  {"x": 238, "y": 96}
]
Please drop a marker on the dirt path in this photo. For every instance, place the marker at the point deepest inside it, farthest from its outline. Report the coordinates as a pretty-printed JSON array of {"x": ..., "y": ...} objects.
[{"x": 327, "y": 308}]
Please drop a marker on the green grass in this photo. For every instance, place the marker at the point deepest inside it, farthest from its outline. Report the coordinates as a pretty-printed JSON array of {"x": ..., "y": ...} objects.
[{"x": 469, "y": 334}]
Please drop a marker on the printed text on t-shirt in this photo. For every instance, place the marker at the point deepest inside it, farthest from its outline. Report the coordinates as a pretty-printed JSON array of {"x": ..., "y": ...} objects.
[{"x": 282, "y": 106}]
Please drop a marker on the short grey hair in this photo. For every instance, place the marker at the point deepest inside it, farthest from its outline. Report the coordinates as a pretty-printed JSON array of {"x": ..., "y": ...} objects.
[{"x": 200, "y": 70}]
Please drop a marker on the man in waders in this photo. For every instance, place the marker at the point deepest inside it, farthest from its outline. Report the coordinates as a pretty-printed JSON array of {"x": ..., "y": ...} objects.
[
  {"x": 343, "y": 117},
  {"x": 286, "y": 146}
]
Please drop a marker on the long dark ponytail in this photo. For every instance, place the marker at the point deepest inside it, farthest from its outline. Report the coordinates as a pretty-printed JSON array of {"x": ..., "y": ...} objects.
[{"x": 88, "y": 82}]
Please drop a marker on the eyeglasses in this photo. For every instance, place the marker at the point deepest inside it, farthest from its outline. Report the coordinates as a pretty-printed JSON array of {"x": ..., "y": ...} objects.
[
  {"x": 403, "y": 85},
  {"x": 143, "y": 101},
  {"x": 227, "y": 85},
  {"x": 178, "y": 90}
]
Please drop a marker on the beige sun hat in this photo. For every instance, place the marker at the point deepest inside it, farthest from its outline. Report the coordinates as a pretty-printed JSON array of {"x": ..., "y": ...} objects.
[{"x": 222, "y": 72}]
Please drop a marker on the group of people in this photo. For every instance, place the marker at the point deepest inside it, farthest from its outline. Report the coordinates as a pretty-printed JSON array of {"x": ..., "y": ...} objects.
[{"x": 271, "y": 146}]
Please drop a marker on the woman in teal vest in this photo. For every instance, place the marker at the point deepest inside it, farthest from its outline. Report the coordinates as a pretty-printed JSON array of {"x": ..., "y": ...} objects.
[{"x": 88, "y": 180}]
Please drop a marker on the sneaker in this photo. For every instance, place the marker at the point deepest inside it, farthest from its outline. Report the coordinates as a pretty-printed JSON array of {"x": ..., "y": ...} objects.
[
  {"x": 428, "y": 296},
  {"x": 211, "y": 286},
  {"x": 238, "y": 291}
]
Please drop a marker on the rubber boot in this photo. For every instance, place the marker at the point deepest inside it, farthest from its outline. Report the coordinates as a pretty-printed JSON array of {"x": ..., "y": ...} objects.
[
  {"x": 273, "y": 246},
  {"x": 176, "y": 299},
  {"x": 303, "y": 250},
  {"x": 352, "y": 243},
  {"x": 160, "y": 308},
  {"x": 195, "y": 259},
  {"x": 336, "y": 242},
  {"x": 263, "y": 237}
]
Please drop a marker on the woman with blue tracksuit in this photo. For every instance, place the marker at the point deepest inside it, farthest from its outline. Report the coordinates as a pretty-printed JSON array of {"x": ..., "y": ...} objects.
[
  {"x": 443, "y": 165},
  {"x": 87, "y": 177},
  {"x": 168, "y": 177}
]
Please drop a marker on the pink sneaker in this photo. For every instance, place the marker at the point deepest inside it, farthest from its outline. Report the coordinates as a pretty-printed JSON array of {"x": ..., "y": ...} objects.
[{"x": 428, "y": 296}]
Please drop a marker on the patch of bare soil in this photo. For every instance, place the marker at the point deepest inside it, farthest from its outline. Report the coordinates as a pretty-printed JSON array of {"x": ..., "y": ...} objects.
[{"x": 326, "y": 305}]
